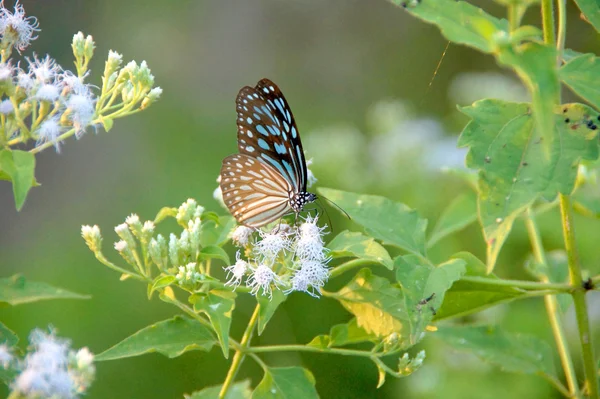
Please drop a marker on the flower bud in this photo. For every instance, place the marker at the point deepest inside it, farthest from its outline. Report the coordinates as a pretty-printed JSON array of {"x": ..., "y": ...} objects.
[{"x": 92, "y": 237}]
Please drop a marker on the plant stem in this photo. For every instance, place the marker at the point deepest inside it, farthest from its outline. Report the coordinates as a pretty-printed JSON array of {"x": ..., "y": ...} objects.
[
  {"x": 305, "y": 348},
  {"x": 552, "y": 308},
  {"x": 351, "y": 264},
  {"x": 238, "y": 358},
  {"x": 548, "y": 21},
  {"x": 526, "y": 285},
  {"x": 514, "y": 16},
  {"x": 562, "y": 29},
  {"x": 578, "y": 294}
]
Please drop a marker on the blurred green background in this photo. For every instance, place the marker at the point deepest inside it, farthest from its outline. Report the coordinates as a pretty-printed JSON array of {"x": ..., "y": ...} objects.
[{"x": 356, "y": 74}]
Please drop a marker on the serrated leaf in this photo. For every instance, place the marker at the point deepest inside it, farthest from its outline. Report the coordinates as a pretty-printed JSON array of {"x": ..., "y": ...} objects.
[
  {"x": 286, "y": 383},
  {"x": 349, "y": 333},
  {"x": 355, "y": 244},
  {"x": 514, "y": 168},
  {"x": 238, "y": 390},
  {"x": 581, "y": 75},
  {"x": 391, "y": 222},
  {"x": 517, "y": 353},
  {"x": 171, "y": 338},
  {"x": 460, "y": 22},
  {"x": 214, "y": 252},
  {"x": 591, "y": 10},
  {"x": 425, "y": 286},
  {"x": 461, "y": 212},
  {"x": 20, "y": 167},
  {"x": 267, "y": 307},
  {"x": 16, "y": 290},
  {"x": 467, "y": 297},
  {"x": 216, "y": 233},
  {"x": 379, "y": 307},
  {"x": 218, "y": 306},
  {"x": 556, "y": 271}
]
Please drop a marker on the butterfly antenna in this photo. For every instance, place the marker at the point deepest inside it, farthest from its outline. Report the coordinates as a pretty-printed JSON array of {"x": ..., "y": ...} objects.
[
  {"x": 337, "y": 206},
  {"x": 321, "y": 207},
  {"x": 437, "y": 68}
]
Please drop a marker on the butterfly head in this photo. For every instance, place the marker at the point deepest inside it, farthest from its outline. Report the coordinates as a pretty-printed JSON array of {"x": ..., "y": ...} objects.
[{"x": 298, "y": 201}]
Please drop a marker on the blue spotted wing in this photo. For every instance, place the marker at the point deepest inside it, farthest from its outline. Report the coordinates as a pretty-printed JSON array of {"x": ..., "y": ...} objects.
[{"x": 267, "y": 131}]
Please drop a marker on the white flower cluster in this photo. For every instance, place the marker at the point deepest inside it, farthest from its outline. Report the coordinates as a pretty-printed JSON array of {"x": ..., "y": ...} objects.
[
  {"x": 50, "y": 369},
  {"x": 48, "y": 103},
  {"x": 188, "y": 274},
  {"x": 287, "y": 257}
]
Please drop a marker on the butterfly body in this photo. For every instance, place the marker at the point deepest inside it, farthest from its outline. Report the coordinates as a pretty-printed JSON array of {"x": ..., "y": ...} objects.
[{"x": 267, "y": 179}]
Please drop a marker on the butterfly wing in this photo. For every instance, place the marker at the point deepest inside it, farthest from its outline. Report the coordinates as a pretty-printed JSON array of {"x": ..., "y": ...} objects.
[
  {"x": 267, "y": 131},
  {"x": 255, "y": 193}
]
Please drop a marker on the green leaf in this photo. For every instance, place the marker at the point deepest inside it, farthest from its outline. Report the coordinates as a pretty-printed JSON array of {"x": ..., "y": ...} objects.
[
  {"x": 214, "y": 252},
  {"x": 460, "y": 22},
  {"x": 591, "y": 10},
  {"x": 556, "y": 271},
  {"x": 467, "y": 297},
  {"x": 461, "y": 212},
  {"x": 218, "y": 306},
  {"x": 349, "y": 333},
  {"x": 216, "y": 233},
  {"x": 238, "y": 390},
  {"x": 107, "y": 123},
  {"x": 514, "y": 169},
  {"x": 160, "y": 282},
  {"x": 581, "y": 75},
  {"x": 391, "y": 222},
  {"x": 19, "y": 166},
  {"x": 286, "y": 383},
  {"x": 267, "y": 307},
  {"x": 425, "y": 286},
  {"x": 466, "y": 175},
  {"x": 16, "y": 290},
  {"x": 517, "y": 353},
  {"x": 171, "y": 338},
  {"x": 355, "y": 244},
  {"x": 320, "y": 341},
  {"x": 379, "y": 307},
  {"x": 164, "y": 213}
]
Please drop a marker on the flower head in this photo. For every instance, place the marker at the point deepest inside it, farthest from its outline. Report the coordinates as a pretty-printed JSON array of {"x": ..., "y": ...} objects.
[
  {"x": 49, "y": 131},
  {"x": 6, "y": 356},
  {"x": 262, "y": 278},
  {"x": 188, "y": 274},
  {"x": 6, "y": 107},
  {"x": 241, "y": 235},
  {"x": 6, "y": 71},
  {"x": 15, "y": 28},
  {"x": 43, "y": 70},
  {"x": 271, "y": 245},
  {"x": 92, "y": 237},
  {"x": 309, "y": 245},
  {"x": 81, "y": 107},
  {"x": 74, "y": 84},
  {"x": 310, "y": 277},
  {"x": 48, "y": 92},
  {"x": 236, "y": 272}
]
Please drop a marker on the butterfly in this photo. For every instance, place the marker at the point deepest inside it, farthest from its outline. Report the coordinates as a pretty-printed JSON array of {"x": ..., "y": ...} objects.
[{"x": 267, "y": 179}]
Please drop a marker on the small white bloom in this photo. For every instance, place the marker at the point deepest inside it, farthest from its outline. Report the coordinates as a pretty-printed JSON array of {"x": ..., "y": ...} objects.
[
  {"x": 82, "y": 112},
  {"x": 188, "y": 210},
  {"x": 132, "y": 220},
  {"x": 6, "y": 71},
  {"x": 6, "y": 107},
  {"x": 309, "y": 245},
  {"x": 310, "y": 277},
  {"x": 92, "y": 236},
  {"x": 155, "y": 94},
  {"x": 43, "y": 70},
  {"x": 84, "y": 358},
  {"x": 148, "y": 227},
  {"x": 74, "y": 83},
  {"x": 48, "y": 92},
  {"x": 5, "y": 356},
  {"x": 120, "y": 246},
  {"x": 241, "y": 235},
  {"x": 16, "y": 24},
  {"x": 236, "y": 272},
  {"x": 271, "y": 245},
  {"x": 261, "y": 278},
  {"x": 188, "y": 274},
  {"x": 49, "y": 131},
  {"x": 25, "y": 81}
]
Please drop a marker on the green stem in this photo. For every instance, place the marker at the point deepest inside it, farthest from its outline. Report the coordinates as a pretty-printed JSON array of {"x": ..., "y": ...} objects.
[
  {"x": 514, "y": 16},
  {"x": 581, "y": 311},
  {"x": 552, "y": 309},
  {"x": 351, "y": 264},
  {"x": 556, "y": 384},
  {"x": 238, "y": 358},
  {"x": 526, "y": 285},
  {"x": 562, "y": 29},
  {"x": 548, "y": 21},
  {"x": 116, "y": 268},
  {"x": 304, "y": 348}
]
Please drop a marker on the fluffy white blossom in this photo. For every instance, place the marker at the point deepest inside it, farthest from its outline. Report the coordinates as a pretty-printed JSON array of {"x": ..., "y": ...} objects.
[
  {"x": 188, "y": 274},
  {"x": 6, "y": 107},
  {"x": 309, "y": 245},
  {"x": 271, "y": 245},
  {"x": 6, "y": 71},
  {"x": 49, "y": 131},
  {"x": 236, "y": 272},
  {"x": 262, "y": 278},
  {"x": 81, "y": 107},
  {"x": 21, "y": 30},
  {"x": 310, "y": 277},
  {"x": 241, "y": 235},
  {"x": 43, "y": 70},
  {"x": 48, "y": 92},
  {"x": 6, "y": 356}
]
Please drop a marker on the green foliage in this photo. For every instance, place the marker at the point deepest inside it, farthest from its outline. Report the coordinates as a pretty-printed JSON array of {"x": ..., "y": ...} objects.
[
  {"x": 171, "y": 338},
  {"x": 18, "y": 167},
  {"x": 267, "y": 307},
  {"x": 461, "y": 212},
  {"x": 591, "y": 11},
  {"x": 515, "y": 170},
  {"x": 391, "y": 222},
  {"x": 218, "y": 306},
  {"x": 581, "y": 74},
  {"x": 357, "y": 245},
  {"x": 239, "y": 390},
  {"x": 511, "y": 352},
  {"x": 286, "y": 383},
  {"x": 16, "y": 290}
]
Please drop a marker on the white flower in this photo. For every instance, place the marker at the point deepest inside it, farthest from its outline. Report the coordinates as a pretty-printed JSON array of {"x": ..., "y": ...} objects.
[
  {"x": 92, "y": 236},
  {"x": 6, "y": 71},
  {"x": 271, "y": 245},
  {"x": 6, "y": 107},
  {"x": 48, "y": 92},
  {"x": 84, "y": 358},
  {"x": 43, "y": 70},
  {"x": 25, "y": 81},
  {"x": 309, "y": 245},
  {"x": 16, "y": 24},
  {"x": 187, "y": 274},
  {"x": 262, "y": 277},
  {"x": 74, "y": 83},
  {"x": 310, "y": 277},
  {"x": 236, "y": 272},
  {"x": 241, "y": 235},
  {"x": 82, "y": 112},
  {"x": 132, "y": 220},
  {"x": 148, "y": 227},
  {"x": 6, "y": 356},
  {"x": 49, "y": 131},
  {"x": 120, "y": 246}
]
